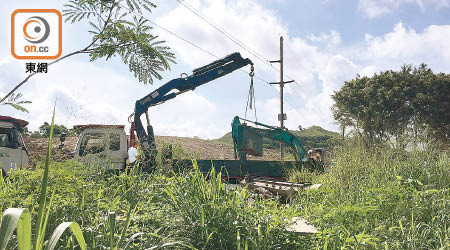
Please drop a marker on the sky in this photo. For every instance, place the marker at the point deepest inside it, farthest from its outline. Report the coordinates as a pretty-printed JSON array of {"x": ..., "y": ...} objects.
[{"x": 326, "y": 42}]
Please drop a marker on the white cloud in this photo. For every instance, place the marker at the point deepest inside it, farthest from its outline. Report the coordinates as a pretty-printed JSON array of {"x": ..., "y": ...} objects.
[
  {"x": 320, "y": 63},
  {"x": 332, "y": 39},
  {"x": 99, "y": 94},
  {"x": 377, "y": 53},
  {"x": 376, "y": 8},
  {"x": 338, "y": 69},
  {"x": 316, "y": 109},
  {"x": 368, "y": 71},
  {"x": 188, "y": 115},
  {"x": 407, "y": 46},
  {"x": 259, "y": 29}
]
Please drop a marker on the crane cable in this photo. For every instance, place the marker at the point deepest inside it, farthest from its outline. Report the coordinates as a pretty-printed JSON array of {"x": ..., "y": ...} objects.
[{"x": 251, "y": 102}]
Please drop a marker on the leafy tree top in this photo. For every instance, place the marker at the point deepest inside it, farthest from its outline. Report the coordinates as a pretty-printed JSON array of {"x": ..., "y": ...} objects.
[
  {"x": 395, "y": 104},
  {"x": 119, "y": 28}
]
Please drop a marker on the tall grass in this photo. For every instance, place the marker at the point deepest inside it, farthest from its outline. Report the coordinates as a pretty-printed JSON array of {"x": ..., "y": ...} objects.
[
  {"x": 20, "y": 218},
  {"x": 379, "y": 199},
  {"x": 382, "y": 199}
]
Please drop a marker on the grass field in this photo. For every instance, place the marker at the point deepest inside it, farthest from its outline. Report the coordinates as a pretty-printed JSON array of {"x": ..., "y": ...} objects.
[{"x": 378, "y": 199}]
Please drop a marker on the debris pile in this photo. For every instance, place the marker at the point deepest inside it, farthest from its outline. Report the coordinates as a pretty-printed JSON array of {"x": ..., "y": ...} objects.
[
  {"x": 270, "y": 188},
  {"x": 281, "y": 190}
]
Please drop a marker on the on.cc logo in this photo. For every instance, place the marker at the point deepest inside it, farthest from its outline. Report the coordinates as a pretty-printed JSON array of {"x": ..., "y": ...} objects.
[
  {"x": 40, "y": 28},
  {"x": 36, "y": 34}
]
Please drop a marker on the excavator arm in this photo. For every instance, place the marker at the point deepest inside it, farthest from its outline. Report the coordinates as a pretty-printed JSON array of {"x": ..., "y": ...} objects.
[
  {"x": 271, "y": 132},
  {"x": 288, "y": 139},
  {"x": 176, "y": 87}
]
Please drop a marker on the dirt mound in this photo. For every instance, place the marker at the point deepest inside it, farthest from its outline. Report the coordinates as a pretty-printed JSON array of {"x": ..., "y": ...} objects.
[
  {"x": 184, "y": 147},
  {"x": 37, "y": 148},
  {"x": 210, "y": 149}
]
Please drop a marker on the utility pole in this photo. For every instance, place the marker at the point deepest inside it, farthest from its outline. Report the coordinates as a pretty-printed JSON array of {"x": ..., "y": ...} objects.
[{"x": 282, "y": 116}]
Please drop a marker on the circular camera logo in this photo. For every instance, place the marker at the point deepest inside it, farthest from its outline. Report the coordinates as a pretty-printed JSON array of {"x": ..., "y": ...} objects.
[{"x": 36, "y": 29}]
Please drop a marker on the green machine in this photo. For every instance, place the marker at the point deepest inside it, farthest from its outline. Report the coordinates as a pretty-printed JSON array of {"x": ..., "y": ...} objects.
[{"x": 249, "y": 140}]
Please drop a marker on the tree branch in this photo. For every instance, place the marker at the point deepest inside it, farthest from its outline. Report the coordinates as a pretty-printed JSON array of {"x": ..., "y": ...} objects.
[
  {"x": 64, "y": 57},
  {"x": 104, "y": 26}
]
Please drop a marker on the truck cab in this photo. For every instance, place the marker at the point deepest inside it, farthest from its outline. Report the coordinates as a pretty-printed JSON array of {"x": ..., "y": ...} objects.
[
  {"x": 102, "y": 145},
  {"x": 13, "y": 153}
]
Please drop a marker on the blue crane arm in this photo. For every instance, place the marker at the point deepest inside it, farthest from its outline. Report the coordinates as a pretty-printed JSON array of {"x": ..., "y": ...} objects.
[{"x": 178, "y": 86}]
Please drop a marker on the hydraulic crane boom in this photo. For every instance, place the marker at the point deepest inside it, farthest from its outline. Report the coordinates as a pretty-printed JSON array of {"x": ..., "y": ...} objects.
[{"x": 199, "y": 77}]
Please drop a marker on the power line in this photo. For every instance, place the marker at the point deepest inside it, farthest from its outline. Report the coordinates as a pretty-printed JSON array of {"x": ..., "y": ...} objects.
[
  {"x": 289, "y": 102},
  {"x": 223, "y": 31},
  {"x": 178, "y": 36},
  {"x": 298, "y": 63},
  {"x": 202, "y": 49},
  {"x": 230, "y": 36},
  {"x": 291, "y": 99},
  {"x": 236, "y": 41},
  {"x": 185, "y": 40},
  {"x": 294, "y": 55}
]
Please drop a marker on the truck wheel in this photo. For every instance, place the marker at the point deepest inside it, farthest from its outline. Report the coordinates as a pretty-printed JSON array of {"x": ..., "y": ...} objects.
[{"x": 3, "y": 173}]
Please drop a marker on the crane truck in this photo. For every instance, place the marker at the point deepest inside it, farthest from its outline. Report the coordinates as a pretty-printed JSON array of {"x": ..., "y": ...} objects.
[
  {"x": 199, "y": 77},
  {"x": 145, "y": 135},
  {"x": 95, "y": 141}
]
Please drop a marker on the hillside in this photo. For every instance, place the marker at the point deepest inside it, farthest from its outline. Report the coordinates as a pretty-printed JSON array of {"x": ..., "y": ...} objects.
[
  {"x": 312, "y": 137},
  {"x": 315, "y": 137}
]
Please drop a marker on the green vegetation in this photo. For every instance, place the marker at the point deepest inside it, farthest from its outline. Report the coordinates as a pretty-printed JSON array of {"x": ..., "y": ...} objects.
[
  {"x": 20, "y": 218},
  {"x": 316, "y": 137},
  {"x": 118, "y": 28},
  {"x": 14, "y": 100},
  {"x": 44, "y": 131},
  {"x": 373, "y": 196},
  {"x": 369, "y": 200},
  {"x": 397, "y": 108},
  {"x": 186, "y": 210},
  {"x": 312, "y": 137},
  {"x": 381, "y": 198}
]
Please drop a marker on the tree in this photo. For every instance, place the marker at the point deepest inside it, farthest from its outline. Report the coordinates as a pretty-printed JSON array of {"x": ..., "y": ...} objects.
[
  {"x": 44, "y": 130},
  {"x": 434, "y": 107},
  {"x": 117, "y": 29},
  {"x": 396, "y": 107}
]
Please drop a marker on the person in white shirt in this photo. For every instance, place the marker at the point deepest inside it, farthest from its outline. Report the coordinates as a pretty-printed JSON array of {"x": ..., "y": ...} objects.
[{"x": 133, "y": 153}]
